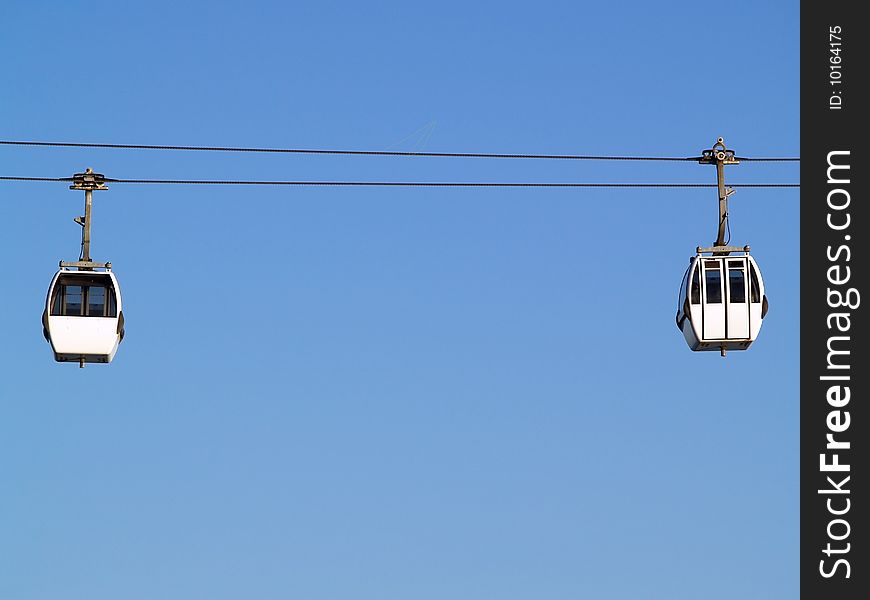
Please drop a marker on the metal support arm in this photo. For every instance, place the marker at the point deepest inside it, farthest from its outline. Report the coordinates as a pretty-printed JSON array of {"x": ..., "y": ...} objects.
[
  {"x": 720, "y": 156},
  {"x": 88, "y": 182}
]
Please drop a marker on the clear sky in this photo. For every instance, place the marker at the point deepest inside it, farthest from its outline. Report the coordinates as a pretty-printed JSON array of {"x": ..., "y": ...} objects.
[{"x": 334, "y": 393}]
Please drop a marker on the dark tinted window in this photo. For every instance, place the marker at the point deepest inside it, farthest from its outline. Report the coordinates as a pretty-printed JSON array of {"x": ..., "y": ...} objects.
[
  {"x": 696, "y": 287},
  {"x": 96, "y": 301},
  {"x": 736, "y": 285},
  {"x": 72, "y": 304},
  {"x": 57, "y": 303},
  {"x": 754, "y": 293},
  {"x": 714, "y": 286},
  {"x": 84, "y": 296}
]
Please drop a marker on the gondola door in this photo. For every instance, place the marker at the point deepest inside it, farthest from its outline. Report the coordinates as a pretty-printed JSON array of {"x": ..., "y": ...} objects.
[
  {"x": 737, "y": 322},
  {"x": 713, "y": 300}
]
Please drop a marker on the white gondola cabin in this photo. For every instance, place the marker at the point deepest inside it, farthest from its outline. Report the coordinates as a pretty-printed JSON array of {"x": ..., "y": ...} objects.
[
  {"x": 721, "y": 302},
  {"x": 83, "y": 319}
]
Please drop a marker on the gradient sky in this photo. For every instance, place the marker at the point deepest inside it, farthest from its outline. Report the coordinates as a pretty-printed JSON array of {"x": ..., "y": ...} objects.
[{"x": 335, "y": 393}]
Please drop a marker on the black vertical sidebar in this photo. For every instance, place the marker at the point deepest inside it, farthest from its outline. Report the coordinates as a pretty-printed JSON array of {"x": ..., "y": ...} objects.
[{"x": 835, "y": 371}]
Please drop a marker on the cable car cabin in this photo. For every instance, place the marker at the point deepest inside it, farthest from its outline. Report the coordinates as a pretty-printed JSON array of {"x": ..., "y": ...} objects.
[
  {"x": 83, "y": 321},
  {"x": 721, "y": 302}
]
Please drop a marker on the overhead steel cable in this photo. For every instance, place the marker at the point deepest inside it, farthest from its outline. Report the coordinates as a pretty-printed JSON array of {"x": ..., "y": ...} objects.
[
  {"x": 456, "y": 184},
  {"x": 468, "y": 184},
  {"x": 16, "y": 178},
  {"x": 361, "y": 152},
  {"x": 783, "y": 159}
]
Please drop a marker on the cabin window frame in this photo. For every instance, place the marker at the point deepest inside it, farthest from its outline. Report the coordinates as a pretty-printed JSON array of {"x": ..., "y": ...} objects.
[
  {"x": 60, "y": 305},
  {"x": 716, "y": 273},
  {"x": 695, "y": 285},
  {"x": 736, "y": 266}
]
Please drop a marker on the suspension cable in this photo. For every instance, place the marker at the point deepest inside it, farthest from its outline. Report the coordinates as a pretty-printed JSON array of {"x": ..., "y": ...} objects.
[
  {"x": 362, "y": 152},
  {"x": 457, "y": 184}
]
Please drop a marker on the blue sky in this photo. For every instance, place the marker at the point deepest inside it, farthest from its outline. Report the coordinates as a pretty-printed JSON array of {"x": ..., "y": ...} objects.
[{"x": 334, "y": 393}]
